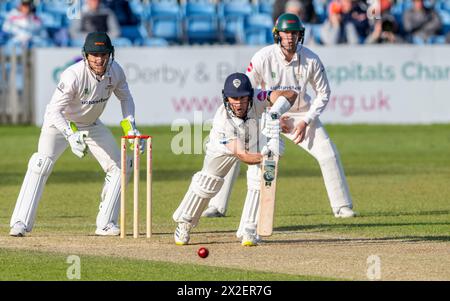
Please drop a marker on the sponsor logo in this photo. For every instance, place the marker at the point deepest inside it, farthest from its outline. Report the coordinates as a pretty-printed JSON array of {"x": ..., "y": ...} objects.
[
  {"x": 58, "y": 70},
  {"x": 190, "y": 104},
  {"x": 262, "y": 96},
  {"x": 94, "y": 102},
  {"x": 250, "y": 67}
]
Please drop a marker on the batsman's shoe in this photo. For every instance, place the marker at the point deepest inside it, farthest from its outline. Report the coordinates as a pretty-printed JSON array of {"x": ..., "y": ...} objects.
[
  {"x": 212, "y": 212},
  {"x": 182, "y": 234},
  {"x": 18, "y": 230},
  {"x": 344, "y": 212},
  {"x": 109, "y": 230},
  {"x": 250, "y": 239}
]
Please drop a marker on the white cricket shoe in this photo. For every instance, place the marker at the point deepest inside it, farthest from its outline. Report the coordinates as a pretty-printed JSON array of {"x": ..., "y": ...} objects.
[
  {"x": 18, "y": 230},
  {"x": 109, "y": 230},
  {"x": 250, "y": 238},
  {"x": 345, "y": 212},
  {"x": 182, "y": 234},
  {"x": 212, "y": 212}
]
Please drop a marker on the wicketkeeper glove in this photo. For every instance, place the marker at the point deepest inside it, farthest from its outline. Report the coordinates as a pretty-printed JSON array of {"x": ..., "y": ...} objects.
[
  {"x": 76, "y": 141},
  {"x": 129, "y": 129}
]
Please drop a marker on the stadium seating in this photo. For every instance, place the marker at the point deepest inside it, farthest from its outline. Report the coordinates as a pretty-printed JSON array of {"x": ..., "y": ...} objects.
[
  {"x": 232, "y": 20},
  {"x": 155, "y": 42},
  {"x": 266, "y": 7},
  {"x": 201, "y": 22},
  {"x": 136, "y": 34},
  {"x": 258, "y": 29},
  {"x": 165, "y": 21}
]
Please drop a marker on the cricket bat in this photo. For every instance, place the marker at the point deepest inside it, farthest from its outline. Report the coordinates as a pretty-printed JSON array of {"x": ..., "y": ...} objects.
[{"x": 269, "y": 171}]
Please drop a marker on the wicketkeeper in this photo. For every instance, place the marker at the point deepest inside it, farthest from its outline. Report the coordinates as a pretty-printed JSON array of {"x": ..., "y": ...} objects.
[
  {"x": 235, "y": 136},
  {"x": 72, "y": 119}
]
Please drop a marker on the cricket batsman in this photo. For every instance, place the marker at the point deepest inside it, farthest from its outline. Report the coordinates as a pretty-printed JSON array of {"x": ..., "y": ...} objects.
[
  {"x": 236, "y": 135},
  {"x": 287, "y": 64},
  {"x": 72, "y": 119}
]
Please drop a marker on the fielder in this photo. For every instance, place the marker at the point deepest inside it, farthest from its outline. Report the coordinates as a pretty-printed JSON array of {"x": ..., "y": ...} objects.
[
  {"x": 72, "y": 119},
  {"x": 235, "y": 136},
  {"x": 287, "y": 65}
]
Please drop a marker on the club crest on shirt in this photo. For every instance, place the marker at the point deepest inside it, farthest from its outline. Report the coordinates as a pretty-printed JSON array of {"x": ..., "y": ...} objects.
[
  {"x": 61, "y": 87},
  {"x": 86, "y": 92}
]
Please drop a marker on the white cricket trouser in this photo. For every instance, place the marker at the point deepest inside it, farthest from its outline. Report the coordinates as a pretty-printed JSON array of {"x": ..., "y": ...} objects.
[
  {"x": 52, "y": 144},
  {"x": 319, "y": 145}
]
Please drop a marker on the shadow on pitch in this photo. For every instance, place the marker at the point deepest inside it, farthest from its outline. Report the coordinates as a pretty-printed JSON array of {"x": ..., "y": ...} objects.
[{"x": 356, "y": 241}]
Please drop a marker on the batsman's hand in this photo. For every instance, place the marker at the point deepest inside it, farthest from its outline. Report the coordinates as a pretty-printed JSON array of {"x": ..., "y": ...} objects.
[
  {"x": 77, "y": 144},
  {"x": 276, "y": 146},
  {"x": 271, "y": 127},
  {"x": 129, "y": 129}
]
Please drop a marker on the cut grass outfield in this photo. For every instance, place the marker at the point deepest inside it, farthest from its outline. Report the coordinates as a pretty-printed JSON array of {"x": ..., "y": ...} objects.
[
  {"x": 20, "y": 265},
  {"x": 398, "y": 178}
]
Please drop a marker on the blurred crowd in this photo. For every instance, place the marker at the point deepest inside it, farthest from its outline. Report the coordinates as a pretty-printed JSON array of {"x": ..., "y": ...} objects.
[{"x": 62, "y": 23}]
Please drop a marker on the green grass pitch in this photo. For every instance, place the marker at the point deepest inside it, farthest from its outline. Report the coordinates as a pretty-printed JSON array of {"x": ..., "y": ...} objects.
[{"x": 398, "y": 177}]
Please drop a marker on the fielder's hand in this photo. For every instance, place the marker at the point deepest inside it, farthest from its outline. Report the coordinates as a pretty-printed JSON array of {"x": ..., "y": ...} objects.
[
  {"x": 77, "y": 144},
  {"x": 129, "y": 129},
  {"x": 299, "y": 132}
]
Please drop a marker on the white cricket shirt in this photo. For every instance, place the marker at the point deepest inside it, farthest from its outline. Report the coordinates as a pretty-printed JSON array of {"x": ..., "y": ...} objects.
[
  {"x": 269, "y": 70},
  {"x": 81, "y": 96},
  {"x": 226, "y": 128}
]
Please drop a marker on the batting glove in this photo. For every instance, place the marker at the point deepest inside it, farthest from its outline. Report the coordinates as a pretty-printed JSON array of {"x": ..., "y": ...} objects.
[
  {"x": 276, "y": 146},
  {"x": 271, "y": 127}
]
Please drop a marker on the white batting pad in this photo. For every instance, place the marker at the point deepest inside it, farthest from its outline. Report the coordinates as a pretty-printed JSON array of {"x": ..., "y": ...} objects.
[
  {"x": 110, "y": 205},
  {"x": 39, "y": 168},
  {"x": 203, "y": 187}
]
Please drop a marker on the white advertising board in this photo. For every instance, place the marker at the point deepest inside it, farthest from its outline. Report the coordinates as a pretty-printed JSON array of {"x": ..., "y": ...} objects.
[{"x": 393, "y": 84}]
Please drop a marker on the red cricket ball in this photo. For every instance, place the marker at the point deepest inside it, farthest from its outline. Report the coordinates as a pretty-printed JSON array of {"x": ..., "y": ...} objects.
[{"x": 203, "y": 252}]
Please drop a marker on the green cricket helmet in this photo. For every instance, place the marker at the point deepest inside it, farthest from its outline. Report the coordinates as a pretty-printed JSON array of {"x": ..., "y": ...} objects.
[
  {"x": 98, "y": 42},
  {"x": 288, "y": 22}
]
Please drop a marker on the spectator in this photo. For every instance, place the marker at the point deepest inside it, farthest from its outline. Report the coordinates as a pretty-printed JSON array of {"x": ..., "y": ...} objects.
[
  {"x": 385, "y": 32},
  {"x": 421, "y": 23},
  {"x": 95, "y": 17},
  {"x": 297, "y": 8},
  {"x": 386, "y": 29},
  {"x": 24, "y": 27},
  {"x": 124, "y": 14},
  {"x": 355, "y": 12},
  {"x": 309, "y": 14},
  {"x": 335, "y": 31}
]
